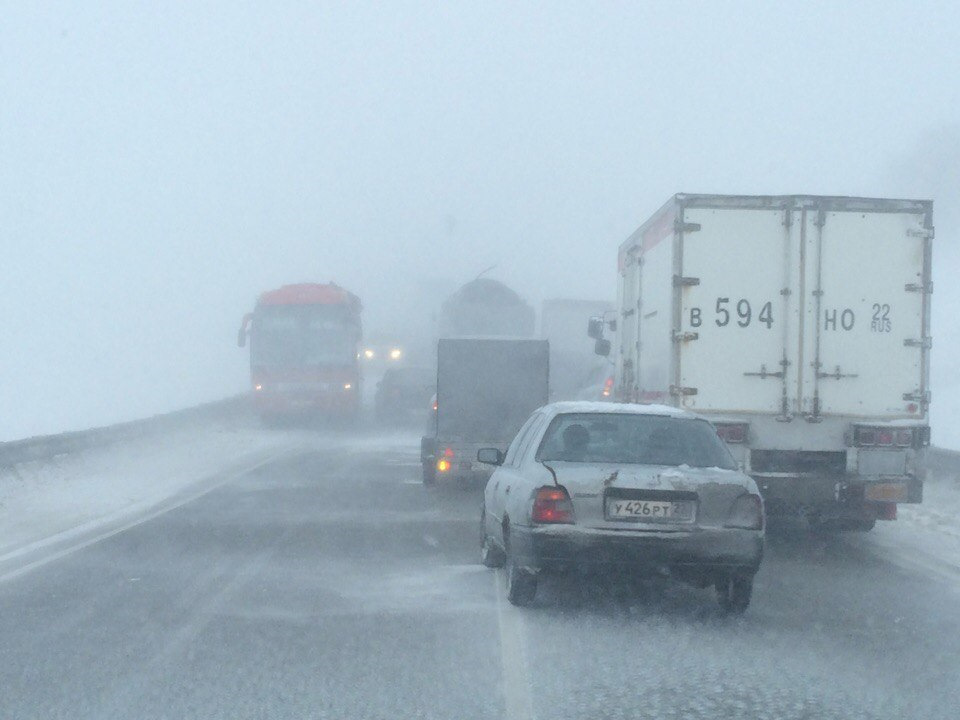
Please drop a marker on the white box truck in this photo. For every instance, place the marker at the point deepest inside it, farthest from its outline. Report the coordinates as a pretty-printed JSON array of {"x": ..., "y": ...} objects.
[{"x": 801, "y": 326}]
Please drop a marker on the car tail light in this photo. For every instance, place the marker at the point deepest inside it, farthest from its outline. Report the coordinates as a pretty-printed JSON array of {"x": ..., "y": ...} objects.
[
  {"x": 732, "y": 432},
  {"x": 746, "y": 513},
  {"x": 868, "y": 436},
  {"x": 552, "y": 505}
]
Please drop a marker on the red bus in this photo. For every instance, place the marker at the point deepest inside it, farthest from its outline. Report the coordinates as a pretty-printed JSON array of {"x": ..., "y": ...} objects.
[{"x": 304, "y": 352}]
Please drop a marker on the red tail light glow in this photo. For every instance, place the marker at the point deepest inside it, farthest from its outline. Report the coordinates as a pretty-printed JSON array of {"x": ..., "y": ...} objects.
[
  {"x": 552, "y": 505},
  {"x": 448, "y": 453},
  {"x": 868, "y": 436},
  {"x": 732, "y": 432}
]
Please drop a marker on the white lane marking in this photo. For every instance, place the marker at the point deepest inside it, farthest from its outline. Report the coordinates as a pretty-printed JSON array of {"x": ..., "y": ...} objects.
[
  {"x": 431, "y": 541},
  {"x": 163, "y": 509},
  {"x": 517, "y": 694}
]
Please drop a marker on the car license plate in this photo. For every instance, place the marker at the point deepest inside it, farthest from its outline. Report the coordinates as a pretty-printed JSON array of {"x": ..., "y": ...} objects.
[{"x": 649, "y": 510}]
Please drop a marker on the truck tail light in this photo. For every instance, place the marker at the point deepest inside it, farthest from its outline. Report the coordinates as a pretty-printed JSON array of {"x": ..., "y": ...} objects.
[
  {"x": 732, "y": 432},
  {"x": 746, "y": 513},
  {"x": 608, "y": 387},
  {"x": 552, "y": 504},
  {"x": 869, "y": 436},
  {"x": 443, "y": 465}
]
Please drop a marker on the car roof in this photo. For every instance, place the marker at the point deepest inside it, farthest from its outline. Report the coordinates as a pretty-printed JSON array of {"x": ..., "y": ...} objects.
[{"x": 587, "y": 406}]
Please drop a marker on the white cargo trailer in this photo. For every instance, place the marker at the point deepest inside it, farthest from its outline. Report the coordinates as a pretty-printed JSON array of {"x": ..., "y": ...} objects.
[{"x": 801, "y": 326}]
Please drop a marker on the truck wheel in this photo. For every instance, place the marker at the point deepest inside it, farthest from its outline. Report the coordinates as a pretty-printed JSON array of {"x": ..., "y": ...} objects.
[
  {"x": 429, "y": 474},
  {"x": 733, "y": 593},
  {"x": 521, "y": 583},
  {"x": 491, "y": 556}
]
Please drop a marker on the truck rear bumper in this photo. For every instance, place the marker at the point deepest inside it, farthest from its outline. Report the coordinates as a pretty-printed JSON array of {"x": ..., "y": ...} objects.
[{"x": 847, "y": 495}]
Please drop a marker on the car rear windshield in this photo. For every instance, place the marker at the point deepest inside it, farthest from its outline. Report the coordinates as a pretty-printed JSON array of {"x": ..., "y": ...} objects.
[{"x": 634, "y": 439}]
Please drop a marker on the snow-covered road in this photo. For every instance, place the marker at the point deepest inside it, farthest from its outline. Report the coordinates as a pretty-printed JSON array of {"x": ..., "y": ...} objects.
[{"x": 224, "y": 571}]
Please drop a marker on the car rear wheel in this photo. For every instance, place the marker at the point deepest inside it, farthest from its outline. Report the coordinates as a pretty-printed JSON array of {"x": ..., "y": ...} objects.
[
  {"x": 490, "y": 554},
  {"x": 521, "y": 583},
  {"x": 733, "y": 593}
]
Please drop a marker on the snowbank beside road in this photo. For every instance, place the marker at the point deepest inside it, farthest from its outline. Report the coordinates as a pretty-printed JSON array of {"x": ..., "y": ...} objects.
[
  {"x": 926, "y": 536},
  {"x": 45, "y": 498}
]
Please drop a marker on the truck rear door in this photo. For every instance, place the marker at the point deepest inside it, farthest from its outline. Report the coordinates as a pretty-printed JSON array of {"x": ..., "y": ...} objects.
[
  {"x": 866, "y": 310},
  {"x": 737, "y": 305},
  {"x": 487, "y": 388}
]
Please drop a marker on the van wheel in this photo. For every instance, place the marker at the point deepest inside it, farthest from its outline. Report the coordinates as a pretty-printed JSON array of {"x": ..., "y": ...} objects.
[
  {"x": 429, "y": 473},
  {"x": 733, "y": 593}
]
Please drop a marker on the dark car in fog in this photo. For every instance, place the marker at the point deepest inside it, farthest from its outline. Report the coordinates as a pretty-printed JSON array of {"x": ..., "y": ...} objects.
[{"x": 403, "y": 395}]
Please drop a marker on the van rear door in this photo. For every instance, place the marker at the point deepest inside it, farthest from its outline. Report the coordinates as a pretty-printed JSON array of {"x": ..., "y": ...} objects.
[
  {"x": 738, "y": 326},
  {"x": 867, "y": 301}
]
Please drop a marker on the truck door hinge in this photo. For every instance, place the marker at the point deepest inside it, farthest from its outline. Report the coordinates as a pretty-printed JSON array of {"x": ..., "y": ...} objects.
[
  {"x": 682, "y": 227},
  {"x": 925, "y": 233},
  {"x": 679, "y": 337},
  {"x": 919, "y": 287},
  {"x": 918, "y": 397},
  {"x": 836, "y": 374},
  {"x": 925, "y": 343},
  {"x": 676, "y": 390},
  {"x": 764, "y": 373},
  {"x": 680, "y": 281}
]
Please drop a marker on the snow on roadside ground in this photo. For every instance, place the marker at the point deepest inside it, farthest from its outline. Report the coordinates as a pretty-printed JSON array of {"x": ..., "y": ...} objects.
[
  {"x": 926, "y": 536},
  {"x": 42, "y": 499}
]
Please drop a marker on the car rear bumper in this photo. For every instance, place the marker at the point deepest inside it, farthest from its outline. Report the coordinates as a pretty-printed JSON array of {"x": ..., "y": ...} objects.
[{"x": 558, "y": 548}]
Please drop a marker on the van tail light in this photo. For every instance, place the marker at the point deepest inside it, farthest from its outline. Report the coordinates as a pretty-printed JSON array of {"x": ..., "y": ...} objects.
[
  {"x": 732, "y": 432},
  {"x": 746, "y": 513},
  {"x": 552, "y": 504},
  {"x": 870, "y": 436}
]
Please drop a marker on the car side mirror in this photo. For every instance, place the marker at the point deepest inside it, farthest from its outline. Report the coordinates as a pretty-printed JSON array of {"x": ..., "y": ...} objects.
[
  {"x": 595, "y": 328},
  {"x": 602, "y": 347},
  {"x": 490, "y": 456},
  {"x": 244, "y": 330}
]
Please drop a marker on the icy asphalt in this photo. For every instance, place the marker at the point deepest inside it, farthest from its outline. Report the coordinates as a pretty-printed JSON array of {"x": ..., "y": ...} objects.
[{"x": 327, "y": 582}]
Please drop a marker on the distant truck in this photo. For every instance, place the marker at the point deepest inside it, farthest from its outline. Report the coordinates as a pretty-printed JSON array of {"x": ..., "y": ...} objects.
[
  {"x": 486, "y": 390},
  {"x": 801, "y": 326},
  {"x": 304, "y": 352},
  {"x": 485, "y": 307},
  {"x": 574, "y": 367}
]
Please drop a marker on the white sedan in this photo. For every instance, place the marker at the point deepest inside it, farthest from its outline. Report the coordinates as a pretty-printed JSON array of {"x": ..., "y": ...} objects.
[{"x": 631, "y": 488}]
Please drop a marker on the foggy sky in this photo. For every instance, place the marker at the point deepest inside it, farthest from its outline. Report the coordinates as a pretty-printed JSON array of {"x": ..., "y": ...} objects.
[{"x": 162, "y": 164}]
